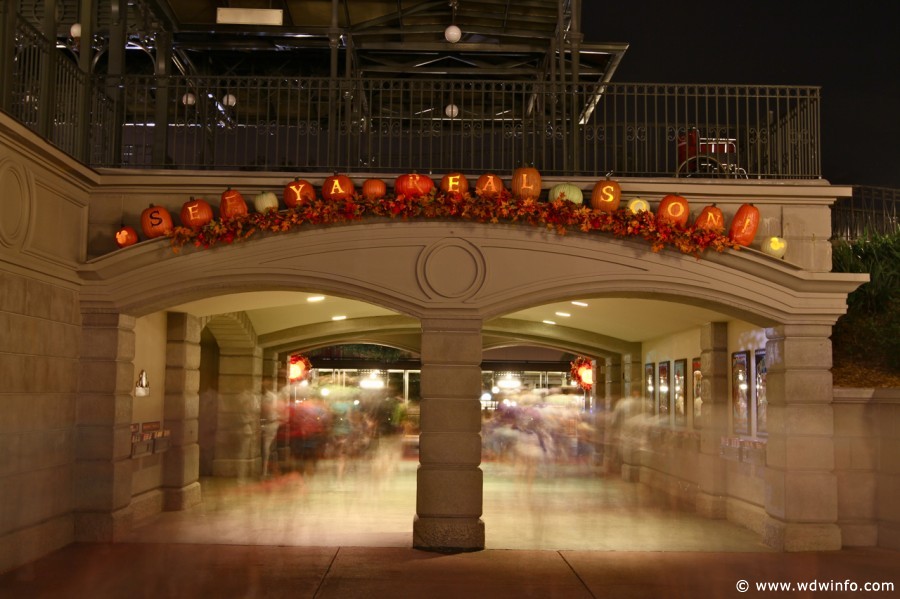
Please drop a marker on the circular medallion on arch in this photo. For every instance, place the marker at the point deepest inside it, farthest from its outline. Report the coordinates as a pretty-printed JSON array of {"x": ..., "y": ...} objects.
[
  {"x": 15, "y": 207},
  {"x": 451, "y": 269}
]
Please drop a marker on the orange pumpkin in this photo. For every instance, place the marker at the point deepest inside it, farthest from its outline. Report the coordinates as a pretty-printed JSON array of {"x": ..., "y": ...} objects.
[
  {"x": 526, "y": 183},
  {"x": 455, "y": 183},
  {"x": 195, "y": 213},
  {"x": 710, "y": 219},
  {"x": 155, "y": 222},
  {"x": 298, "y": 192},
  {"x": 744, "y": 225},
  {"x": 374, "y": 189},
  {"x": 673, "y": 210},
  {"x": 606, "y": 196},
  {"x": 232, "y": 204},
  {"x": 489, "y": 185},
  {"x": 338, "y": 187},
  {"x": 413, "y": 185},
  {"x": 126, "y": 236}
]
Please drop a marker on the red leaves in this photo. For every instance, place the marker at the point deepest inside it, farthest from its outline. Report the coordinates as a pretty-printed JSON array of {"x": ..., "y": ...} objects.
[{"x": 560, "y": 216}]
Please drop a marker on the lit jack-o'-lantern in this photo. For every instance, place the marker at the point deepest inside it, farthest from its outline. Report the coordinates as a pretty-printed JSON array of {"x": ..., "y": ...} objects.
[
  {"x": 744, "y": 225},
  {"x": 155, "y": 222},
  {"x": 298, "y": 367},
  {"x": 710, "y": 219},
  {"x": 775, "y": 246},
  {"x": 232, "y": 204},
  {"x": 126, "y": 236},
  {"x": 582, "y": 372},
  {"x": 638, "y": 205},
  {"x": 673, "y": 210},
  {"x": 413, "y": 185},
  {"x": 526, "y": 183},
  {"x": 454, "y": 183},
  {"x": 606, "y": 196},
  {"x": 298, "y": 192},
  {"x": 195, "y": 213},
  {"x": 489, "y": 185},
  {"x": 338, "y": 187}
]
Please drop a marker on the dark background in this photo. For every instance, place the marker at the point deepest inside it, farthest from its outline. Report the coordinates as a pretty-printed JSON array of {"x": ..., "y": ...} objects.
[{"x": 853, "y": 54}]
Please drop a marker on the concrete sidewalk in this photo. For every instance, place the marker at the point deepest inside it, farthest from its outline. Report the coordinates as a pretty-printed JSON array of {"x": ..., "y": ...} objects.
[{"x": 101, "y": 571}]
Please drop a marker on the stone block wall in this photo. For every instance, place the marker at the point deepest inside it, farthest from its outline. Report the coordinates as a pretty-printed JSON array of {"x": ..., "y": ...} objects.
[{"x": 39, "y": 347}]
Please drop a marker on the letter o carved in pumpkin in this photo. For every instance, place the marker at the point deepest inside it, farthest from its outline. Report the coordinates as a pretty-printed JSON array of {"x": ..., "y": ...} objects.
[{"x": 673, "y": 210}]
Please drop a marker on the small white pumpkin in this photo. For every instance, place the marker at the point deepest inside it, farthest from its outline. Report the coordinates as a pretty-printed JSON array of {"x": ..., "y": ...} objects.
[
  {"x": 775, "y": 246},
  {"x": 568, "y": 191},
  {"x": 638, "y": 205},
  {"x": 264, "y": 201}
]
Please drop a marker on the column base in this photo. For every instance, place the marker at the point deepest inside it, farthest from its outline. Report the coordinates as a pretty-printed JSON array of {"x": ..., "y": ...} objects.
[
  {"x": 448, "y": 535},
  {"x": 103, "y": 527},
  {"x": 183, "y": 498},
  {"x": 793, "y": 536},
  {"x": 242, "y": 468}
]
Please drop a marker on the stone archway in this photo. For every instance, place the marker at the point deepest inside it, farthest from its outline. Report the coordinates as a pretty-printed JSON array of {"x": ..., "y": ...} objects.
[{"x": 452, "y": 277}]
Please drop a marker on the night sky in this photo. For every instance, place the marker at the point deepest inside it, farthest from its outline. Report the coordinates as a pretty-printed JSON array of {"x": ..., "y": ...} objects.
[{"x": 853, "y": 55}]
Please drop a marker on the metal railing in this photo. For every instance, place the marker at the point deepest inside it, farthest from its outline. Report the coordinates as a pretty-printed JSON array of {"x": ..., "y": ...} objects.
[
  {"x": 870, "y": 211},
  {"x": 394, "y": 125}
]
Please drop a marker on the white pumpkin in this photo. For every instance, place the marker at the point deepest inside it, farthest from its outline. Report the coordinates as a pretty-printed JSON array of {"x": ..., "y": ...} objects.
[
  {"x": 264, "y": 201},
  {"x": 775, "y": 246},
  {"x": 568, "y": 191},
  {"x": 638, "y": 205}
]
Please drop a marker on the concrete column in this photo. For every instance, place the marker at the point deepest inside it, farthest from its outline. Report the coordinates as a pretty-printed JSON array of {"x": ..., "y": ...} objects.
[
  {"x": 237, "y": 434},
  {"x": 628, "y": 452},
  {"x": 181, "y": 465},
  {"x": 449, "y": 480},
  {"x": 715, "y": 394},
  {"x": 801, "y": 487},
  {"x": 102, "y": 491}
]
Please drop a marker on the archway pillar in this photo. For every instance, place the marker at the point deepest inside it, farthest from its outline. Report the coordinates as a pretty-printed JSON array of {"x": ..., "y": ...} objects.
[
  {"x": 181, "y": 468},
  {"x": 103, "y": 467},
  {"x": 801, "y": 487},
  {"x": 449, "y": 479},
  {"x": 712, "y": 490},
  {"x": 237, "y": 452}
]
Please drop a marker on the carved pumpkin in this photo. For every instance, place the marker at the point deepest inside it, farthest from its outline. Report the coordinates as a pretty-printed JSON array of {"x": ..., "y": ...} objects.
[
  {"x": 413, "y": 185},
  {"x": 710, "y": 219},
  {"x": 374, "y": 189},
  {"x": 673, "y": 210},
  {"x": 526, "y": 183},
  {"x": 565, "y": 191},
  {"x": 298, "y": 192},
  {"x": 744, "y": 225},
  {"x": 195, "y": 213},
  {"x": 489, "y": 185},
  {"x": 155, "y": 222},
  {"x": 606, "y": 196},
  {"x": 775, "y": 247},
  {"x": 454, "y": 183},
  {"x": 232, "y": 204},
  {"x": 638, "y": 205},
  {"x": 126, "y": 236},
  {"x": 338, "y": 187},
  {"x": 264, "y": 201}
]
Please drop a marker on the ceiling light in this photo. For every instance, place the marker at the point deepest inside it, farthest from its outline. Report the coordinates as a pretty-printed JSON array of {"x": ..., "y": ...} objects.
[
  {"x": 229, "y": 100},
  {"x": 452, "y": 34},
  {"x": 582, "y": 304},
  {"x": 316, "y": 298},
  {"x": 451, "y": 110},
  {"x": 563, "y": 314},
  {"x": 548, "y": 322},
  {"x": 189, "y": 99},
  {"x": 339, "y": 317}
]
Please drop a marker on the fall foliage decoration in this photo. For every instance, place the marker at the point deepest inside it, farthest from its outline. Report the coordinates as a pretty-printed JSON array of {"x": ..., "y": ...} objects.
[{"x": 582, "y": 372}]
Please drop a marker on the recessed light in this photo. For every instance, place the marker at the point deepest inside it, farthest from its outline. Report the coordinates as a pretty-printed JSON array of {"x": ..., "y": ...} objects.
[
  {"x": 316, "y": 298},
  {"x": 339, "y": 317},
  {"x": 582, "y": 304},
  {"x": 563, "y": 314},
  {"x": 548, "y": 322}
]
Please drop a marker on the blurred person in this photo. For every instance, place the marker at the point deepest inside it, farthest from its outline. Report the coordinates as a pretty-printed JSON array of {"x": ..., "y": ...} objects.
[{"x": 273, "y": 415}]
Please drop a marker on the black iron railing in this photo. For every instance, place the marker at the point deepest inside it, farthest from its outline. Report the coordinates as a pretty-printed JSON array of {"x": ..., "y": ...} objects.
[
  {"x": 870, "y": 211},
  {"x": 390, "y": 125}
]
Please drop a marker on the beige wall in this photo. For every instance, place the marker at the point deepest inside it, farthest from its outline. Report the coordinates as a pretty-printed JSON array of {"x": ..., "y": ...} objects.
[{"x": 149, "y": 355}]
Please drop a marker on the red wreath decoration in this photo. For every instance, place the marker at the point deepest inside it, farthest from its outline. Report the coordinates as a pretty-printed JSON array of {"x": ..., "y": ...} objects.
[
  {"x": 298, "y": 368},
  {"x": 582, "y": 372}
]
